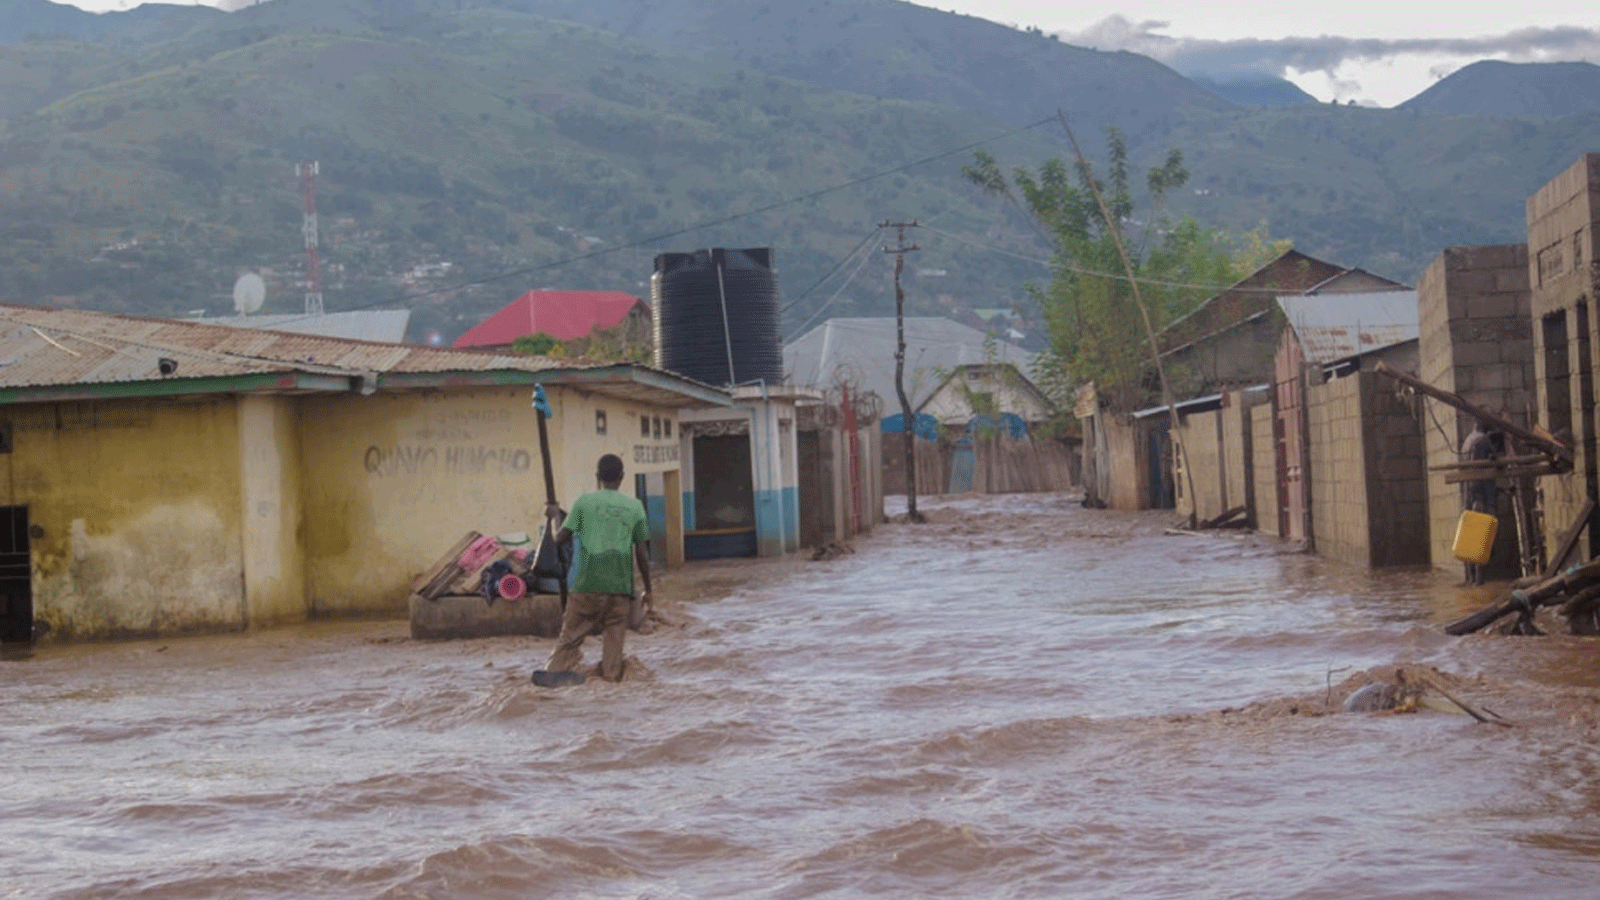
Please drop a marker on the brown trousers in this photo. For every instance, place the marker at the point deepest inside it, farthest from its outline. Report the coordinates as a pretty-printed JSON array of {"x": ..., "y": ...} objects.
[{"x": 587, "y": 614}]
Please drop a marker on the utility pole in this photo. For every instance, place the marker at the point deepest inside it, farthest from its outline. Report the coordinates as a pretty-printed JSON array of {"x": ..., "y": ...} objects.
[
  {"x": 900, "y": 250},
  {"x": 308, "y": 191}
]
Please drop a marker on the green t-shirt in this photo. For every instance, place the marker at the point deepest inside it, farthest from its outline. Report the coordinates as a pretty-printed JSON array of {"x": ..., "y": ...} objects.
[{"x": 608, "y": 524}]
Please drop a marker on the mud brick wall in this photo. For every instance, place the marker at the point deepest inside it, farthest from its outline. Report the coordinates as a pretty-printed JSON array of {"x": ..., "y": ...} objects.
[
  {"x": 1264, "y": 470},
  {"x": 1369, "y": 498},
  {"x": 1562, "y": 257},
  {"x": 1476, "y": 340}
]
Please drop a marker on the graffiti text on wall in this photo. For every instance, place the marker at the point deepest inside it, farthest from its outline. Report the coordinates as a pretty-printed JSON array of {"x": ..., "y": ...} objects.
[
  {"x": 417, "y": 459},
  {"x": 643, "y": 454}
]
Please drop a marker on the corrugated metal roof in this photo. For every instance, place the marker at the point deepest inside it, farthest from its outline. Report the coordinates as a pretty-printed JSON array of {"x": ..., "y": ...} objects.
[
  {"x": 1332, "y": 327},
  {"x": 384, "y": 325},
  {"x": 65, "y": 347},
  {"x": 861, "y": 351}
]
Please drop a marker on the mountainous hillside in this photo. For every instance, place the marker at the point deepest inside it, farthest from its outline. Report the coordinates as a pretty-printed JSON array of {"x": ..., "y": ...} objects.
[
  {"x": 1259, "y": 91},
  {"x": 36, "y": 19},
  {"x": 1526, "y": 90},
  {"x": 472, "y": 149}
]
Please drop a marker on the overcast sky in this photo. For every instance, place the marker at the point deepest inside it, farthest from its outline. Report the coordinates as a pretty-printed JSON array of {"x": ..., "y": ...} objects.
[
  {"x": 1372, "y": 51},
  {"x": 1377, "y": 52}
]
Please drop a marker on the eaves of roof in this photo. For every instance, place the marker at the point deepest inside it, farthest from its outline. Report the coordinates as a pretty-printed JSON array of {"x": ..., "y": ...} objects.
[
  {"x": 265, "y": 383},
  {"x": 623, "y": 382}
]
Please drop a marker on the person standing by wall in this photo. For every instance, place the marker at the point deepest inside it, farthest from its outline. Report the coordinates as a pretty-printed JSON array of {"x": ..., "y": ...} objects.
[
  {"x": 613, "y": 537},
  {"x": 1480, "y": 495}
]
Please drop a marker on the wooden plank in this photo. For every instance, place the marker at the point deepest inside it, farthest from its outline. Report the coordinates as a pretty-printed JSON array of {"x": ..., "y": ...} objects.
[
  {"x": 1569, "y": 541},
  {"x": 1502, "y": 462},
  {"x": 437, "y": 570},
  {"x": 1541, "y": 440},
  {"x": 1520, "y": 473}
]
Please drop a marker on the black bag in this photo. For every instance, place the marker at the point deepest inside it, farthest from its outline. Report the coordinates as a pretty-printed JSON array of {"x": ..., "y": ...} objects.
[{"x": 551, "y": 563}]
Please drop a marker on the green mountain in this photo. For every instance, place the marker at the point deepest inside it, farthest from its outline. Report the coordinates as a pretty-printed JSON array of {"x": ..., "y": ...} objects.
[
  {"x": 1520, "y": 90},
  {"x": 472, "y": 149},
  {"x": 1259, "y": 91}
]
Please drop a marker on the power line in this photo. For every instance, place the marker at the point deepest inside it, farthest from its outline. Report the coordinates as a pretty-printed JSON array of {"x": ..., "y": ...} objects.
[
  {"x": 860, "y": 264},
  {"x": 1112, "y": 276},
  {"x": 689, "y": 229}
]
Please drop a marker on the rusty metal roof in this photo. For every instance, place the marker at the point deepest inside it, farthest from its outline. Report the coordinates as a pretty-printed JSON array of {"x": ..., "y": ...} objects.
[
  {"x": 1333, "y": 327},
  {"x": 64, "y": 349}
]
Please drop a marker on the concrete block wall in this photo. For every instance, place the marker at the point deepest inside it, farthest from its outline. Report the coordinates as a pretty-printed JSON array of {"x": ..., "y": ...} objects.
[
  {"x": 1202, "y": 445},
  {"x": 1369, "y": 495},
  {"x": 1264, "y": 469},
  {"x": 1338, "y": 470},
  {"x": 1476, "y": 340},
  {"x": 1397, "y": 475},
  {"x": 1562, "y": 254},
  {"x": 1238, "y": 444}
]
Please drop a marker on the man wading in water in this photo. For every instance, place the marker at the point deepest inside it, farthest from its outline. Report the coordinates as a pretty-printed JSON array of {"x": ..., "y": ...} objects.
[{"x": 614, "y": 536}]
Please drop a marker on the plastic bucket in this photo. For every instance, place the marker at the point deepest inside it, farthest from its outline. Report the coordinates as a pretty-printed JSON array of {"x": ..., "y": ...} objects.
[
  {"x": 1475, "y": 536},
  {"x": 511, "y": 587}
]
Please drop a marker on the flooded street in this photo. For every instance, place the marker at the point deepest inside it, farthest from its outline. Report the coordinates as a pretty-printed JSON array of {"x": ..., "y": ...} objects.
[{"x": 1020, "y": 698}]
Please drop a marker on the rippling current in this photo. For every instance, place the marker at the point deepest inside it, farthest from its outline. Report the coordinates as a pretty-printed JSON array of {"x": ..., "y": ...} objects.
[{"x": 1020, "y": 698}]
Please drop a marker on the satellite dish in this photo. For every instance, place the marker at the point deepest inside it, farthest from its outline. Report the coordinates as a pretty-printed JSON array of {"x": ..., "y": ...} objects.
[{"x": 248, "y": 293}]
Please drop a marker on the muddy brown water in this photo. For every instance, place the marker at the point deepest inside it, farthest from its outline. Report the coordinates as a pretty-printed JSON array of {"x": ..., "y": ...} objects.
[{"x": 1020, "y": 698}]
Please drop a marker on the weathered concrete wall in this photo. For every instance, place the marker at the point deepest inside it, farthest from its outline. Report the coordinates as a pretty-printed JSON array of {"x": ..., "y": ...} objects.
[
  {"x": 1128, "y": 477},
  {"x": 1562, "y": 271},
  {"x": 1264, "y": 469},
  {"x": 272, "y": 510},
  {"x": 136, "y": 511},
  {"x": 403, "y": 476},
  {"x": 1369, "y": 503},
  {"x": 1476, "y": 340}
]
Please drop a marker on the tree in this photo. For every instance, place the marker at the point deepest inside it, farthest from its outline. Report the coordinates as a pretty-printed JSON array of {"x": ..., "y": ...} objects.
[
  {"x": 1095, "y": 327},
  {"x": 538, "y": 344}
]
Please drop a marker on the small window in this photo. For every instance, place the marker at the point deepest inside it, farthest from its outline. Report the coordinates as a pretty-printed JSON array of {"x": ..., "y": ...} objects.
[
  {"x": 599, "y": 421},
  {"x": 644, "y": 426},
  {"x": 666, "y": 428},
  {"x": 655, "y": 427}
]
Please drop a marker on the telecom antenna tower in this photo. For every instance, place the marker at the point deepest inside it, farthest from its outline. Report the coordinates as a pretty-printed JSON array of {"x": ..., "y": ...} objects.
[{"x": 308, "y": 188}]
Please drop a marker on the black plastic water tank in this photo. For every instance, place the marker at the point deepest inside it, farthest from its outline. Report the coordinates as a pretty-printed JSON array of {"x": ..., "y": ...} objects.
[{"x": 715, "y": 314}]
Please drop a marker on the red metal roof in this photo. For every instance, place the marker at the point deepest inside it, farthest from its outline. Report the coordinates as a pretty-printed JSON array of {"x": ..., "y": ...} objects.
[{"x": 564, "y": 315}]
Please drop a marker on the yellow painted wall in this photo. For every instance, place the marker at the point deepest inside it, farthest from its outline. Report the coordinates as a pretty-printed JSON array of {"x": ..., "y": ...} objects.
[
  {"x": 272, "y": 513},
  {"x": 135, "y": 508},
  {"x": 392, "y": 481},
  {"x": 579, "y": 416}
]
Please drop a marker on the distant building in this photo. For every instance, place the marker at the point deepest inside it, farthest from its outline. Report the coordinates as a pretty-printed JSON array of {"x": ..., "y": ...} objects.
[
  {"x": 386, "y": 326},
  {"x": 564, "y": 315},
  {"x": 959, "y": 382}
]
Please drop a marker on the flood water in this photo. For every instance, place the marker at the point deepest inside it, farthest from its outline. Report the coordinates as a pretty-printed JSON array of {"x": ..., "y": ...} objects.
[{"x": 1018, "y": 699}]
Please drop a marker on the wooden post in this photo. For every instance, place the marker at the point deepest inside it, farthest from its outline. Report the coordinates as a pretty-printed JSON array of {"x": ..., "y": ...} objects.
[
  {"x": 910, "y": 437},
  {"x": 1545, "y": 444}
]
